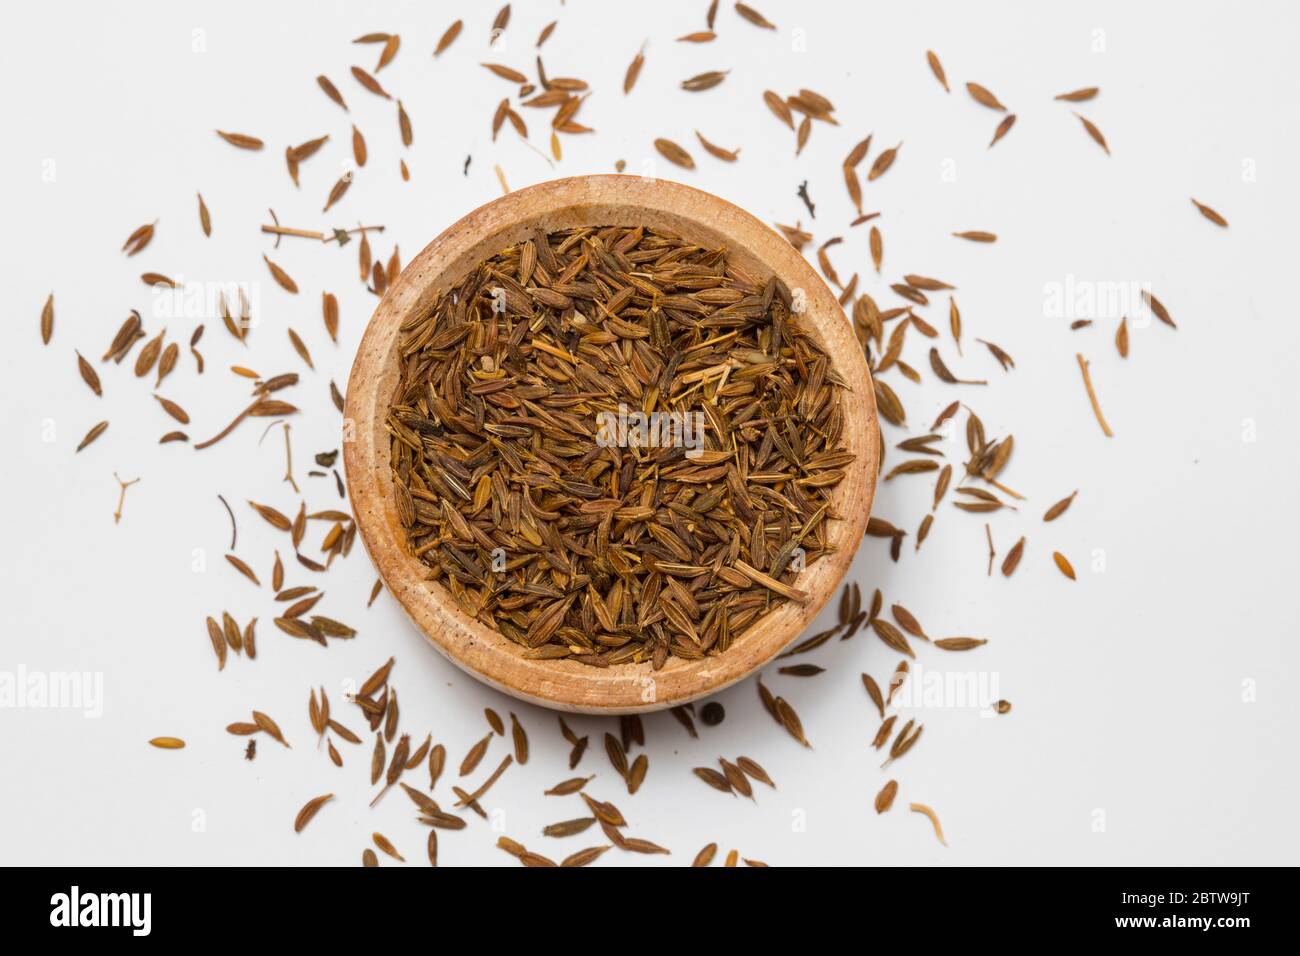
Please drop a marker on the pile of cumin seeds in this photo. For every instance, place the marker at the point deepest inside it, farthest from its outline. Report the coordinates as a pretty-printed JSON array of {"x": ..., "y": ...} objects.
[{"x": 551, "y": 511}]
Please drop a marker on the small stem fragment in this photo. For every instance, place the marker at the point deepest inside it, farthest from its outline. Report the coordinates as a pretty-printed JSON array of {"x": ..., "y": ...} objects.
[
  {"x": 121, "y": 498},
  {"x": 1092, "y": 395},
  {"x": 234, "y": 529},
  {"x": 288, "y": 454}
]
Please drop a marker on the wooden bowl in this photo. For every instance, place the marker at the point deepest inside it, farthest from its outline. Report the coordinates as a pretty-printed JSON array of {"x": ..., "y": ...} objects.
[{"x": 565, "y": 204}]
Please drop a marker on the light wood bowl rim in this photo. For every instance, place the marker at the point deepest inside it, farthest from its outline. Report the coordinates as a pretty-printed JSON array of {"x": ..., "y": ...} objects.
[{"x": 565, "y": 203}]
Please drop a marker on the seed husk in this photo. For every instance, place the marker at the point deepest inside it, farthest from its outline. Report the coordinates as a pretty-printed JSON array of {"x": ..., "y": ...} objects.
[{"x": 934, "y": 820}]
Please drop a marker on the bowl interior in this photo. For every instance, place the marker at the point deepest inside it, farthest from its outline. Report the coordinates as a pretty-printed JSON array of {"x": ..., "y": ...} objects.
[{"x": 565, "y": 204}]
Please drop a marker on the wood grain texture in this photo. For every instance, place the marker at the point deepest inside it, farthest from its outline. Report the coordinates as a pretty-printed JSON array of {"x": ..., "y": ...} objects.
[{"x": 566, "y": 204}]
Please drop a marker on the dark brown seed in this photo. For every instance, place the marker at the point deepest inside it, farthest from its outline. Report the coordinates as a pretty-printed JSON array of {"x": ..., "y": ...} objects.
[{"x": 712, "y": 713}]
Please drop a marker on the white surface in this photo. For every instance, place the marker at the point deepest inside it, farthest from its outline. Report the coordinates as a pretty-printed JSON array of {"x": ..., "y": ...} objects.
[{"x": 1127, "y": 685}]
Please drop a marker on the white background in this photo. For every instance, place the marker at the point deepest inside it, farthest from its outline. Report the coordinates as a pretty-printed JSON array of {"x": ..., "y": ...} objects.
[{"x": 1153, "y": 695}]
